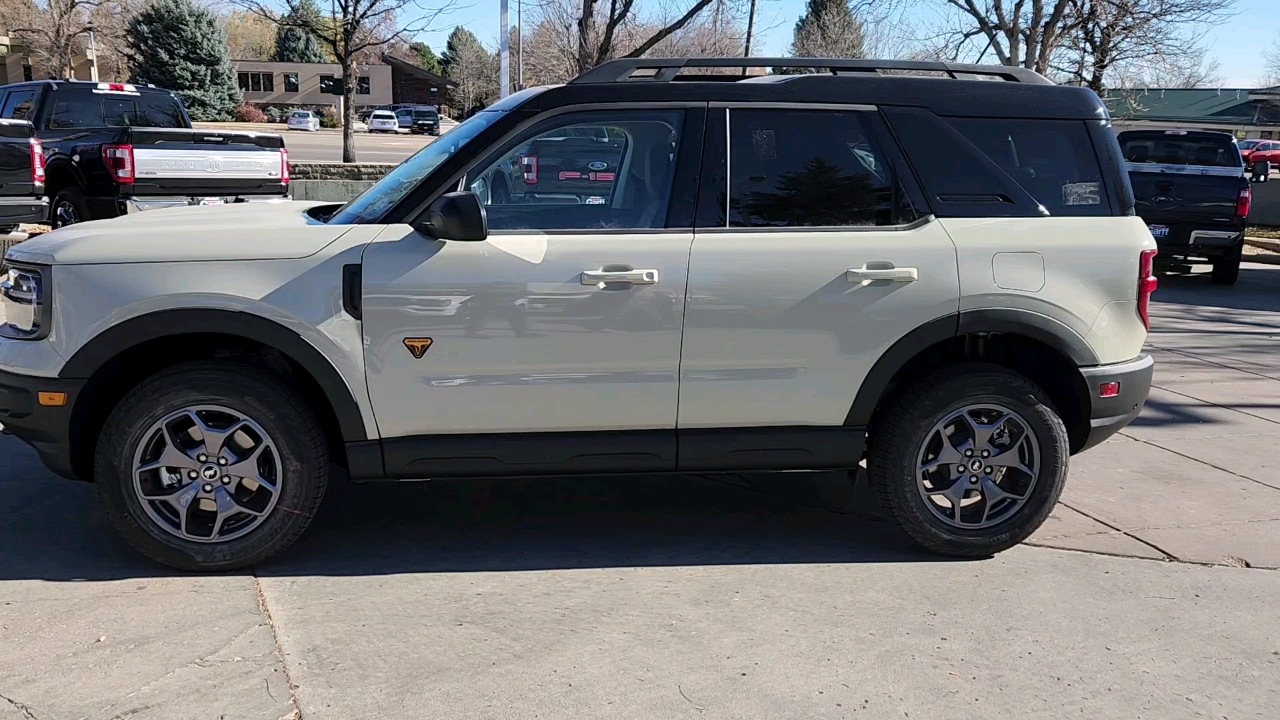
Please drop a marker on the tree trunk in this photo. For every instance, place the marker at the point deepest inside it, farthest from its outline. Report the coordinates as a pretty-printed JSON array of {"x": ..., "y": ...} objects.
[
  {"x": 348, "y": 110},
  {"x": 584, "y": 35}
]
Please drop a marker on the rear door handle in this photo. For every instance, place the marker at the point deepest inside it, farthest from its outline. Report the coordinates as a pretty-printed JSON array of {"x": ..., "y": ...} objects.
[
  {"x": 607, "y": 275},
  {"x": 905, "y": 275}
]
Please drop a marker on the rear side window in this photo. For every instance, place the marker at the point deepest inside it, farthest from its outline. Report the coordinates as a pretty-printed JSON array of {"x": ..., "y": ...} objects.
[
  {"x": 794, "y": 168},
  {"x": 1179, "y": 148},
  {"x": 19, "y": 105},
  {"x": 1053, "y": 160}
]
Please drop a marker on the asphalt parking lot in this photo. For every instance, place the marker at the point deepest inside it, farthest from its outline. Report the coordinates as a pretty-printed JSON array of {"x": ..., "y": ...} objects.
[
  {"x": 326, "y": 146},
  {"x": 1150, "y": 593}
]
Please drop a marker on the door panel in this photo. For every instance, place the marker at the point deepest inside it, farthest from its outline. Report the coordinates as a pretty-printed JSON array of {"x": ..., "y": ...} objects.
[
  {"x": 518, "y": 342},
  {"x": 778, "y": 332}
]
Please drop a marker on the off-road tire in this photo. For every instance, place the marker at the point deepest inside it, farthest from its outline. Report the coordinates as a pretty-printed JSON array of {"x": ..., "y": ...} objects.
[
  {"x": 74, "y": 197},
  {"x": 289, "y": 420},
  {"x": 902, "y": 427},
  {"x": 1226, "y": 269}
]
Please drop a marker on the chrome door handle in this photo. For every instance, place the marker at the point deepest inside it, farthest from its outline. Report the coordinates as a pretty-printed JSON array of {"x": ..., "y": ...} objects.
[
  {"x": 633, "y": 277},
  {"x": 906, "y": 274}
]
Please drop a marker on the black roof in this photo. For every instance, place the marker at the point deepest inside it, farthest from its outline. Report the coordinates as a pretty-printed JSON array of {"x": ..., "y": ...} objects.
[
  {"x": 89, "y": 84},
  {"x": 947, "y": 89}
]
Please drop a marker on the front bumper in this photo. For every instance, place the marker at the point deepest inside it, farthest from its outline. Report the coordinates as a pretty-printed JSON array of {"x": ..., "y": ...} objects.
[
  {"x": 45, "y": 427},
  {"x": 1108, "y": 415}
]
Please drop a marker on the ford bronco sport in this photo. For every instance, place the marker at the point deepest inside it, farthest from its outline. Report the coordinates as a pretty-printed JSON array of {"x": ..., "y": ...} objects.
[{"x": 934, "y": 268}]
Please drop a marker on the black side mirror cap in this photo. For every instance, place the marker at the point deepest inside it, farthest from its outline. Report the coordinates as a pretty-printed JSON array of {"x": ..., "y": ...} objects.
[{"x": 457, "y": 216}]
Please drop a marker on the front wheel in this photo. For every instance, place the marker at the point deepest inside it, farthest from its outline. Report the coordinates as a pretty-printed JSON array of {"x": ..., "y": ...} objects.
[
  {"x": 970, "y": 460},
  {"x": 211, "y": 466}
]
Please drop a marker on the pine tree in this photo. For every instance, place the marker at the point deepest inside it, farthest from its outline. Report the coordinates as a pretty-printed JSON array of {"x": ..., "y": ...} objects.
[
  {"x": 296, "y": 44},
  {"x": 828, "y": 29},
  {"x": 426, "y": 57},
  {"x": 466, "y": 62},
  {"x": 178, "y": 45}
]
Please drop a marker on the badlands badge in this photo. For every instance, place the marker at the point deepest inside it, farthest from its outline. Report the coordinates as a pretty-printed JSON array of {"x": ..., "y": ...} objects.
[{"x": 417, "y": 346}]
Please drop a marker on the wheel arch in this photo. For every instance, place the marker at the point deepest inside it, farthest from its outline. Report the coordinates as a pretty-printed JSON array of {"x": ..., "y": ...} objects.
[
  {"x": 1046, "y": 351},
  {"x": 119, "y": 357}
]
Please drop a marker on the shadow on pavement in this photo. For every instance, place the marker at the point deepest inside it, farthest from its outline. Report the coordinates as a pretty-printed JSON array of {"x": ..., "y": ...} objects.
[
  {"x": 1258, "y": 288},
  {"x": 55, "y": 529}
]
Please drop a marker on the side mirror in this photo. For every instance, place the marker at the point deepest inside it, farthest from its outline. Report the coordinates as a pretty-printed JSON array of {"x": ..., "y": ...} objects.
[
  {"x": 457, "y": 216},
  {"x": 1261, "y": 171}
]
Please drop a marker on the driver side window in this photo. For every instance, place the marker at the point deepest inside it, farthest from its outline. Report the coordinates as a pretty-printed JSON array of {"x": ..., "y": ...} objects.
[{"x": 607, "y": 170}]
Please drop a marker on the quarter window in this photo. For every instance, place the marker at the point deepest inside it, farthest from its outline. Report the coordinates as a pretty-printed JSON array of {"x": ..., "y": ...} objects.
[
  {"x": 794, "y": 168},
  {"x": 608, "y": 170},
  {"x": 19, "y": 105}
]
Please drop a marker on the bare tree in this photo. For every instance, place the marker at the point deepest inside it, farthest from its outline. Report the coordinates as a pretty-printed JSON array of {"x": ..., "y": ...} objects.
[
  {"x": 1156, "y": 38},
  {"x": 598, "y": 45},
  {"x": 1271, "y": 57},
  {"x": 55, "y": 34},
  {"x": 1018, "y": 32},
  {"x": 352, "y": 30}
]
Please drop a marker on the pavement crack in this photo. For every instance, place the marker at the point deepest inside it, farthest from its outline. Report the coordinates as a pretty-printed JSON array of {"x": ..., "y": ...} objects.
[
  {"x": 1168, "y": 556},
  {"x": 1212, "y": 362},
  {"x": 1217, "y": 405},
  {"x": 27, "y": 712},
  {"x": 1202, "y": 462},
  {"x": 275, "y": 639}
]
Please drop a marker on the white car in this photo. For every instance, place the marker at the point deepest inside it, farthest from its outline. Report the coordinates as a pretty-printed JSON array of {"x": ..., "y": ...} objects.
[
  {"x": 615, "y": 276},
  {"x": 304, "y": 120},
  {"x": 383, "y": 121}
]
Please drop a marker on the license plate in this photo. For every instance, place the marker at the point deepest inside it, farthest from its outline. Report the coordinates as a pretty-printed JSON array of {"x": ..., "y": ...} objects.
[
  {"x": 1159, "y": 231},
  {"x": 211, "y": 201}
]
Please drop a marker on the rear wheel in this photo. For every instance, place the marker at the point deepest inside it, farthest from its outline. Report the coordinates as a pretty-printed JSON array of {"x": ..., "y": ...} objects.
[
  {"x": 969, "y": 461},
  {"x": 1226, "y": 269},
  {"x": 69, "y": 207},
  {"x": 210, "y": 466}
]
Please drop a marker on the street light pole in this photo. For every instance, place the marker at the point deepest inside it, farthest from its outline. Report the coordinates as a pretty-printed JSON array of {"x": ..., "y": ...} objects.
[
  {"x": 93, "y": 56},
  {"x": 504, "y": 67},
  {"x": 519, "y": 44}
]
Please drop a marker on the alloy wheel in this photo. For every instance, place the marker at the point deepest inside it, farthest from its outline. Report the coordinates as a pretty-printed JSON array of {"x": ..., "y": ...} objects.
[
  {"x": 207, "y": 473},
  {"x": 978, "y": 466}
]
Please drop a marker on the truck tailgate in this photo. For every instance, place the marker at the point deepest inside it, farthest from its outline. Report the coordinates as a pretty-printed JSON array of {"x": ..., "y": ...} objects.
[{"x": 195, "y": 162}]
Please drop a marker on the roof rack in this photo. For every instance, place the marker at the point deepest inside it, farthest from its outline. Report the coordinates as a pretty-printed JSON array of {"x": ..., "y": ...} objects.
[{"x": 667, "y": 69}]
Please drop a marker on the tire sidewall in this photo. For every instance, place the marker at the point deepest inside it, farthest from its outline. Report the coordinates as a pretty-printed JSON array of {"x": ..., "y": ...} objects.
[
  {"x": 127, "y": 426},
  {"x": 1053, "y": 451}
]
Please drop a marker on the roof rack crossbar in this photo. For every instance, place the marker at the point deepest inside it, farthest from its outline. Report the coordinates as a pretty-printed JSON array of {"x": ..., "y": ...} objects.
[{"x": 666, "y": 69}]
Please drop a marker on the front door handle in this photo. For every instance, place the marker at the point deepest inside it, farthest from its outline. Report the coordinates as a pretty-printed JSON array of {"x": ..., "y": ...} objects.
[
  {"x": 617, "y": 274},
  {"x": 893, "y": 274}
]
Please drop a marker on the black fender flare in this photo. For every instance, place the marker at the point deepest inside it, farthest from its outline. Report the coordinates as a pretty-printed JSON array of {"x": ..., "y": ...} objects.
[
  {"x": 135, "y": 331},
  {"x": 1042, "y": 328},
  {"x": 60, "y": 164}
]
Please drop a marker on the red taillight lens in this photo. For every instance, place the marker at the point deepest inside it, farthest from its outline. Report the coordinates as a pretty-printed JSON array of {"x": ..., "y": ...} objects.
[
  {"x": 1242, "y": 202},
  {"x": 119, "y": 162},
  {"x": 37, "y": 161},
  {"x": 284, "y": 166},
  {"x": 1146, "y": 284}
]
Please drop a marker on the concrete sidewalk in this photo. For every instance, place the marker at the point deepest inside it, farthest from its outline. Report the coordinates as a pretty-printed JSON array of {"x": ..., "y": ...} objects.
[{"x": 779, "y": 596}]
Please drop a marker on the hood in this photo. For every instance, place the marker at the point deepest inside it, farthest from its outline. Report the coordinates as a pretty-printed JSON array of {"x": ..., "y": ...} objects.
[{"x": 241, "y": 231}]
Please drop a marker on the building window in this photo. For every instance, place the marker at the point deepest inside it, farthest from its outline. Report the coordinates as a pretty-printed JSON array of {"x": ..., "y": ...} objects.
[
  {"x": 330, "y": 85},
  {"x": 291, "y": 82},
  {"x": 362, "y": 86},
  {"x": 1266, "y": 135},
  {"x": 256, "y": 81},
  {"x": 26, "y": 73}
]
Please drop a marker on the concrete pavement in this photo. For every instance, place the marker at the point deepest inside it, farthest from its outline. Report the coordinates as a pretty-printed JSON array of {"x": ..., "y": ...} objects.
[{"x": 739, "y": 597}]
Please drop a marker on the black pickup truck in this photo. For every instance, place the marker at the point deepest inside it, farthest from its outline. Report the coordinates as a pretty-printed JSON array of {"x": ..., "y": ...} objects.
[
  {"x": 21, "y": 176},
  {"x": 114, "y": 148},
  {"x": 1190, "y": 188}
]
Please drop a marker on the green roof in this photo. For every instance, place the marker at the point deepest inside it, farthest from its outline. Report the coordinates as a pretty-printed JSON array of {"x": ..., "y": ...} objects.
[{"x": 1248, "y": 106}]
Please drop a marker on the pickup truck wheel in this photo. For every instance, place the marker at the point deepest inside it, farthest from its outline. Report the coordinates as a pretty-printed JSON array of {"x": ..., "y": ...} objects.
[
  {"x": 68, "y": 208},
  {"x": 211, "y": 466},
  {"x": 1226, "y": 269},
  {"x": 969, "y": 461}
]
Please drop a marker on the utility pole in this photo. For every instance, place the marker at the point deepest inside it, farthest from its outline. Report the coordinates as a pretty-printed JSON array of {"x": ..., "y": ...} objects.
[
  {"x": 751, "y": 25},
  {"x": 519, "y": 44},
  {"x": 93, "y": 56},
  {"x": 504, "y": 66}
]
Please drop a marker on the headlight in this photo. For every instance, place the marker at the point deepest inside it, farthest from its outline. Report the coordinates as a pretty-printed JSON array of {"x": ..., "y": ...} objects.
[{"x": 23, "y": 294}]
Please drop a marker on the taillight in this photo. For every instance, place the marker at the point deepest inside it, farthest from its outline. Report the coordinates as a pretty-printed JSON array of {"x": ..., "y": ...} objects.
[
  {"x": 1146, "y": 284},
  {"x": 284, "y": 166},
  {"x": 529, "y": 169},
  {"x": 37, "y": 161},
  {"x": 119, "y": 162},
  {"x": 1242, "y": 202}
]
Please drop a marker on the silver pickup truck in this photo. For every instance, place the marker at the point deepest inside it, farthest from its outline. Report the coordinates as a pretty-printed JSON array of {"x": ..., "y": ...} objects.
[{"x": 113, "y": 148}]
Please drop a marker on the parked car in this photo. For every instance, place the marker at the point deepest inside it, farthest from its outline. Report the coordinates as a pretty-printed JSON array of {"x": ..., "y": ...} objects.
[
  {"x": 1257, "y": 151},
  {"x": 383, "y": 121},
  {"x": 22, "y": 176},
  {"x": 940, "y": 277},
  {"x": 426, "y": 121},
  {"x": 112, "y": 149},
  {"x": 304, "y": 120},
  {"x": 1190, "y": 188},
  {"x": 577, "y": 163}
]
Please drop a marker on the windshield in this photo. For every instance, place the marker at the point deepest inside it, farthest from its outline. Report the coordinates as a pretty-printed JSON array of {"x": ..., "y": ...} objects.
[
  {"x": 371, "y": 204},
  {"x": 1247, "y": 144}
]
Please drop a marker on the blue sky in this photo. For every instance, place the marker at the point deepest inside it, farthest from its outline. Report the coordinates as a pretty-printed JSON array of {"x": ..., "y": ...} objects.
[{"x": 1238, "y": 44}]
